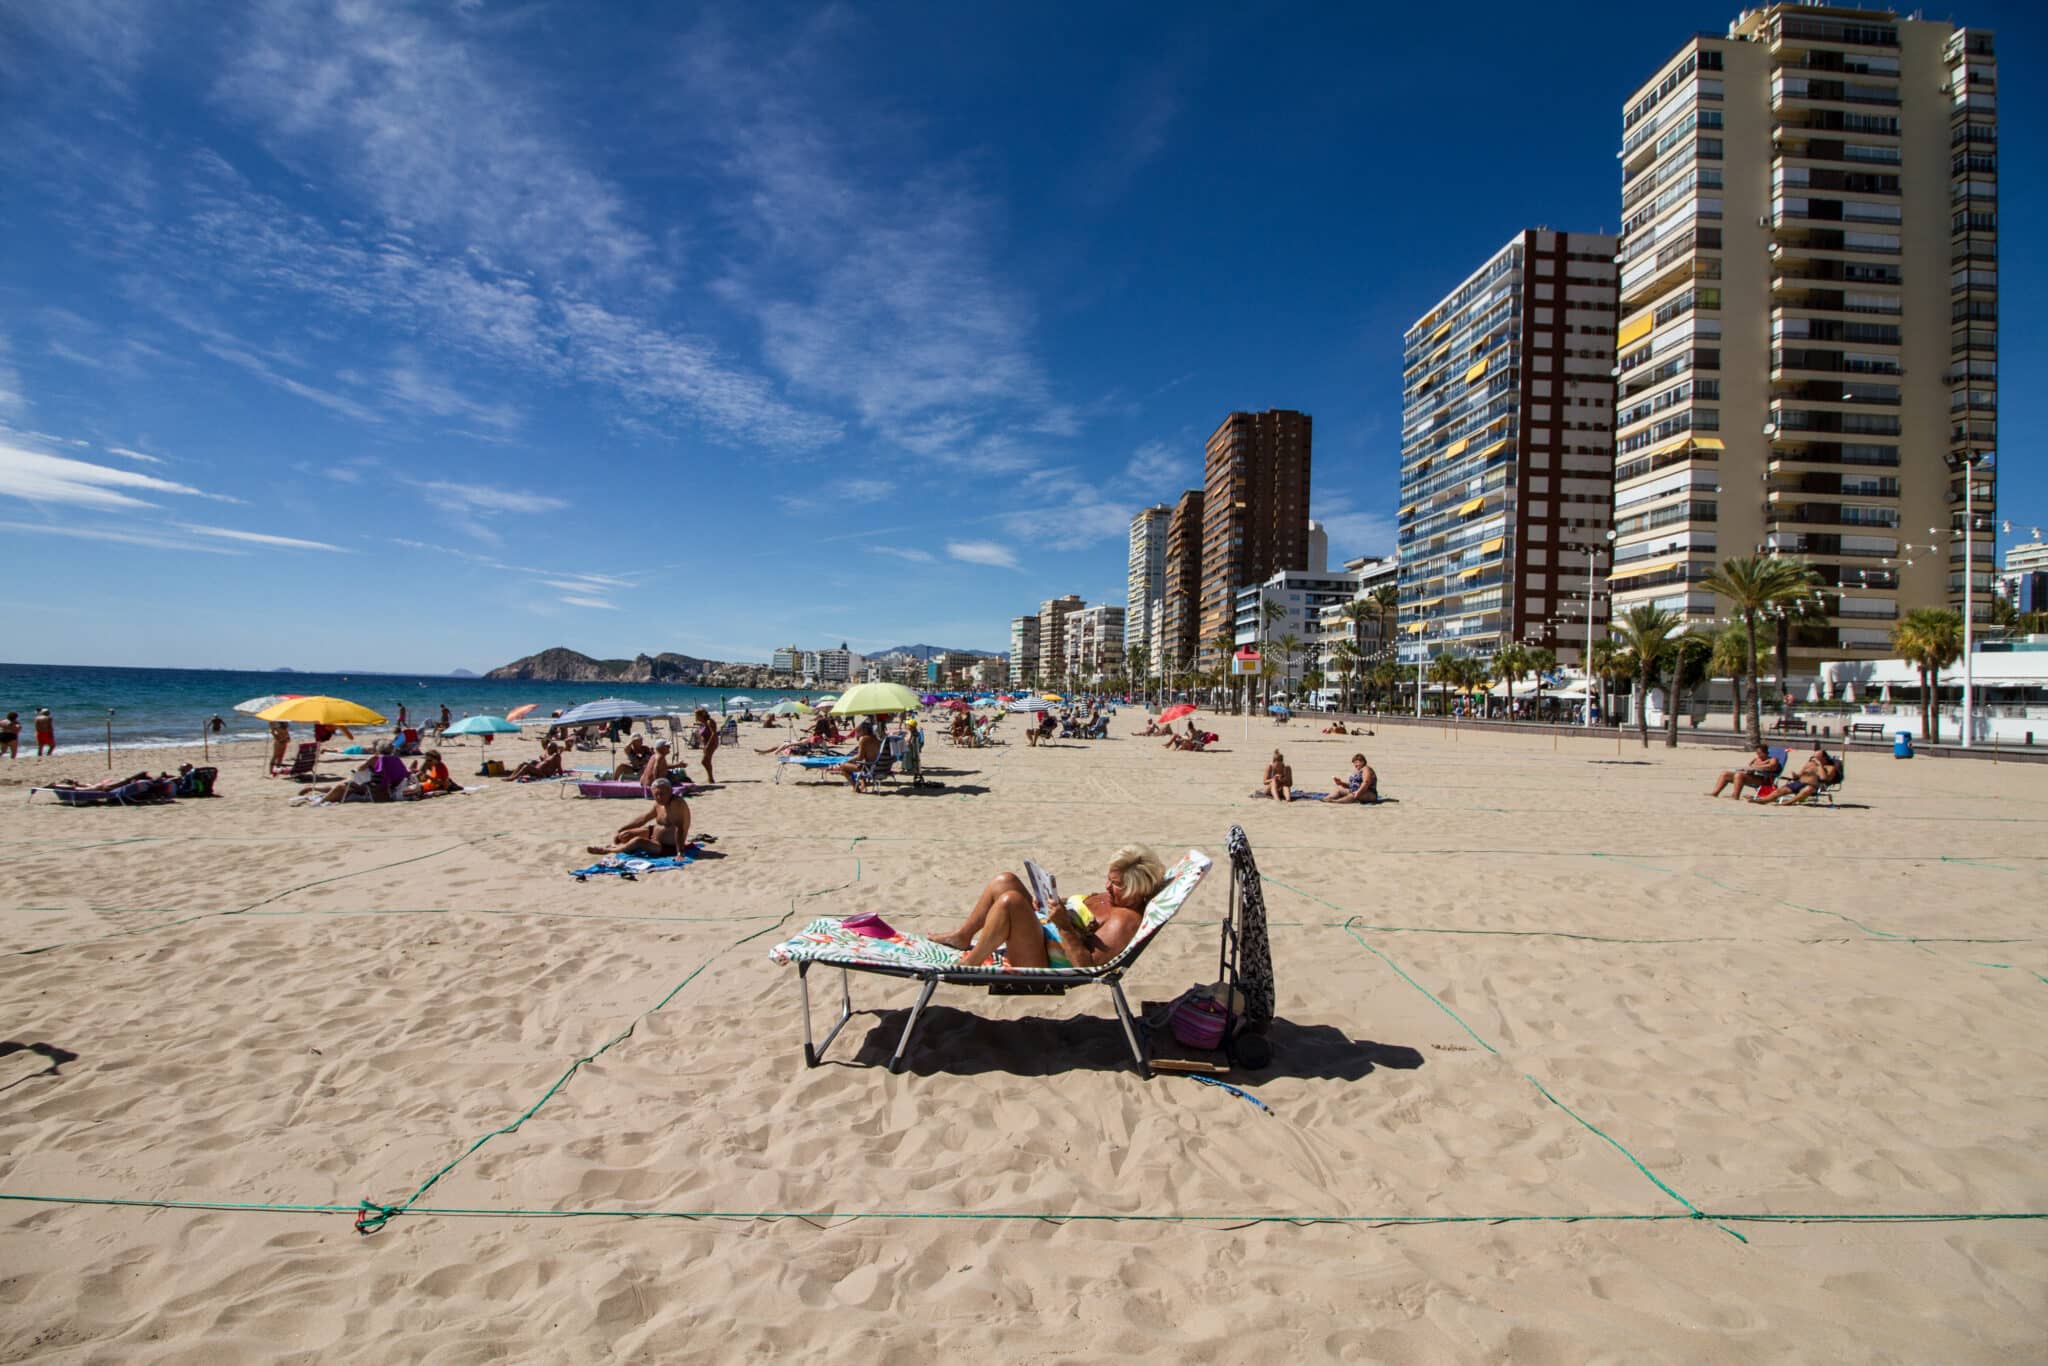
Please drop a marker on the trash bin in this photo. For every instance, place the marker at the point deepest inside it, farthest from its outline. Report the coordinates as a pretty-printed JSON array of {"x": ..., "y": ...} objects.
[{"x": 1902, "y": 745}]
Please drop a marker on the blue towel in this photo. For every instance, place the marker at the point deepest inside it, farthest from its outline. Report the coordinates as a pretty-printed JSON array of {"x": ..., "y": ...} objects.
[{"x": 630, "y": 866}]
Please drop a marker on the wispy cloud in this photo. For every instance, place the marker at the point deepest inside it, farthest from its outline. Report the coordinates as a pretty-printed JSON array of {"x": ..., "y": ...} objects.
[
  {"x": 133, "y": 455},
  {"x": 411, "y": 387},
  {"x": 903, "y": 552},
  {"x": 992, "y": 553},
  {"x": 487, "y": 497},
  {"x": 599, "y": 603},
  {"x": 153, "y": 540},
  {"x": 37, "y": 477},
  {"x": 1156, "y": 465},
  {"x": 13, "y": 402},
  {"x": 839, "y": 493},
  {"x": 259, "y": 538},
  {"x": 1354, "y": 531}
]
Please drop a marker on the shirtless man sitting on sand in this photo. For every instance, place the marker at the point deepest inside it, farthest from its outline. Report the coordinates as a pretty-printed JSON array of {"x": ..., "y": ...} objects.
[{"x": 662, "y": 830}]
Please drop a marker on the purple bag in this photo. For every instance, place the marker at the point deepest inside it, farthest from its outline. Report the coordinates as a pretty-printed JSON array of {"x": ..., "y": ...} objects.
[{"x": 1198, "y": 1021}]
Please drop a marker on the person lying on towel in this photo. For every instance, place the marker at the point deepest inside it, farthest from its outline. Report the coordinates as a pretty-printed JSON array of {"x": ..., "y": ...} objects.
[{"x": 1008, "y": 924}]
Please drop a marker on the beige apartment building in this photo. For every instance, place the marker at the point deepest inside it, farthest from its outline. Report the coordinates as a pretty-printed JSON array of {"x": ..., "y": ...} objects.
[
  {"x": 1255, "y": 489},
  {"x": 1807, "y": 355}
]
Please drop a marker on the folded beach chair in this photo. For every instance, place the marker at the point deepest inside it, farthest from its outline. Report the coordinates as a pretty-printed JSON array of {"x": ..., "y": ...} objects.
[
  {"x": 828, "y": 942},
  {"x": 305, "y": 761},
  {"x": 729, "y": 733}
]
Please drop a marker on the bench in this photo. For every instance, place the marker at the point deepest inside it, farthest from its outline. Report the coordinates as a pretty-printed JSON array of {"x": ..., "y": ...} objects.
[
  {"x": 1867, "y": 730},
  {"x": 1789, "y": 725}
]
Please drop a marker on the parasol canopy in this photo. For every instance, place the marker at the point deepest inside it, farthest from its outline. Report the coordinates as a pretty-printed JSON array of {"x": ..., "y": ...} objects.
[
  {"x": 265, "y": 702},
  {"x": 483, "y": 725},
  {"x": 324, "y": 711},
  {"x": 607, "y": 709},
  {"x": 1176, "y": 711},
  {"x": 873, "y": 699},
  {"x": 521, "y": 712}
]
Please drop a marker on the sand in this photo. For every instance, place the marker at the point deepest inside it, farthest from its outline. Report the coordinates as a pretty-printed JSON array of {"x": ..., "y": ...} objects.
[{"x": 1550, "y": 990}]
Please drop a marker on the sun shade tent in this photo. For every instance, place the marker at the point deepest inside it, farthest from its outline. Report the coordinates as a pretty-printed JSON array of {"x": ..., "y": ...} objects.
[{"x": 830, "y": 943}]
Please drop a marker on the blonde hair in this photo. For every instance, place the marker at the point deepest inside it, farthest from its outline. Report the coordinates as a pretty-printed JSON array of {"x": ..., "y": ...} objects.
[{"x": 1143, "y": 873}]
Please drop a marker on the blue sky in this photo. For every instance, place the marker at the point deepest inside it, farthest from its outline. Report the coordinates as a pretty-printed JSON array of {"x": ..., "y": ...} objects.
[{"x": 363, "y": 333}]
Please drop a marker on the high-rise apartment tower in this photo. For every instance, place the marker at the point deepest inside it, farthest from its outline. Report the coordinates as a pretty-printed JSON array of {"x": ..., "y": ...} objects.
[
  {"x": 1052, "y": 633},
  {"x": 1147, "y": 583},
  {"x": 1507, "y": 450},
  {"x": 1180, "y": 627},
  {"x": 1254, "y": 510},
  {"x": 1807, "y": 359}
]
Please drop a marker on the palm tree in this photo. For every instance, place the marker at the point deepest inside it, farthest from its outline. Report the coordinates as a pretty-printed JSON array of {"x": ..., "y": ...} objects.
[
  {"x": 1730, "y": 650},
  {"x": 1290, "y": 650},
  {"x": 1312, "y": 680},
  {"x": 1645, "y": 632},
  {"x": 1510, "y": 662},
  {"x": 1757, "y": 584},
  {"x": 1449, "y": 670},
  {"x": 1225, "y": 643},
  {"x": 1137, "y": 658},
  {"x": 1386, "y": 599},
  {"x": 1344, "y": 659},
  {"x": 1930, "y": 639},
  {"x": 1542, "y": 660},
  {"x": 1386, "y": 679},
  {"x": 1604, "y": 665},
  {"x": 1806, "y": 609},
  {"x": 1690, "y": 656}
]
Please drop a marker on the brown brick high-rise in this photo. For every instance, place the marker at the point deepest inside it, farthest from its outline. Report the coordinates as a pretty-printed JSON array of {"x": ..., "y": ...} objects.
[
  {"x": 1255, "y": 511},
  {"x": 1180, "y": 628}
]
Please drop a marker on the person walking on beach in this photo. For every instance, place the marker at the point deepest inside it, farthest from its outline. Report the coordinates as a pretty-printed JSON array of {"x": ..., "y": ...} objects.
[
  {"x": 10, "y": 735},
  {"x": 280, "y": 738},
  {"x": 46, "y": 733},
  {"x": 707, "y": 741}
]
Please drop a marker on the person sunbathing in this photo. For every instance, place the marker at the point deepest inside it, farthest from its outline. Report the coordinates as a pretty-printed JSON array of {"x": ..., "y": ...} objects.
[
  {"x": 107, "y": 784},
  {"x": 863, "y": 753},
  {"x": 377, "y": 778},
  {"x": 1151, "y": 729},
  {"x": 1820, "y": 769},
  {"x": 1756, "y": 773},
  {"x": 549, "y": 765},
  {"x": 1360, "y": 785},
  {"x": 636, "y": 757},
  {"x": 658, "y": 766},
  {"x": 1084, "y": 932},
  {"x": 661, "y": 831},
  {"x": 1279, "y": 780},
  {"x": 1335, "y": 728}
]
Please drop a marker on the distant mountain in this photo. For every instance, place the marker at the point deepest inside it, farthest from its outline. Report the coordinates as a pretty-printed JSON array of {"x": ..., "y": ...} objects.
[
  {"x": 285, "y": 670},
  {"x": 462, "y": 673},
  {"x": 926, "y": 651},
  {"x": 563, "y": 665}
]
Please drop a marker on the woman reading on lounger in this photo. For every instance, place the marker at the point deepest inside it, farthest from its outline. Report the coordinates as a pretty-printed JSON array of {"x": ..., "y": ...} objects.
[{"x": 1084, "y": 932}]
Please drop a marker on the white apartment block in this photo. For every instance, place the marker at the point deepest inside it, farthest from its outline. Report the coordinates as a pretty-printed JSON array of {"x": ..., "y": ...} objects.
[
  {"x": 1147, "y": 576},
  {"x": 1807, "y": 358}
]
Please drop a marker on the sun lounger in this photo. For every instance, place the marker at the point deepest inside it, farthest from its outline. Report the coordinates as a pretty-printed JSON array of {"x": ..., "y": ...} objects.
[
  {"x": 807, "y": 761},
  {"x": 141, "y": 792},
  {"x": 829, "y": 943}
]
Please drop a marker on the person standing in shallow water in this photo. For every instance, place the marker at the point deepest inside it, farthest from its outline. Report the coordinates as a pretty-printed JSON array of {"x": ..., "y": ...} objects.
[
  {"x": 10, "y": 735},
  {"x": 46, "y": 732}
]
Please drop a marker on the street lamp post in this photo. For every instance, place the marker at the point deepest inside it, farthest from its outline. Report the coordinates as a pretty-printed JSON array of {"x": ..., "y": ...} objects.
[{"x": 1969, "y": 464}]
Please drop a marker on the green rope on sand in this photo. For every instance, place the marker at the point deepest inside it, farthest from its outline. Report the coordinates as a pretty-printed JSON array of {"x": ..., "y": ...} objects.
[
  {"x": 371, "y": 1216},
  {"x": 239, "y": 910},
  {"x": 821, "y": 1217},
  {"x": 1588, "y": 1125}
]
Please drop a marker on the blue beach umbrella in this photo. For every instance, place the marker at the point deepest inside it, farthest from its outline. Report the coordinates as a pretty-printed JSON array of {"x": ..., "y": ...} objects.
[{"x": 483, "y": 725}]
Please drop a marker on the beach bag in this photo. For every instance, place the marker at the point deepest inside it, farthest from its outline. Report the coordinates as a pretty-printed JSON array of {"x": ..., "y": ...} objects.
[
  {"x": 196, "y": 782},
  {"x": 493, "y": 768},
  {"x": 1198, "y": 1019}
]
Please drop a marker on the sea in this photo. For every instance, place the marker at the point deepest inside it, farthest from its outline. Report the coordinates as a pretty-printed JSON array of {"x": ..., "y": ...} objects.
[{"x": 158, "y": 708}]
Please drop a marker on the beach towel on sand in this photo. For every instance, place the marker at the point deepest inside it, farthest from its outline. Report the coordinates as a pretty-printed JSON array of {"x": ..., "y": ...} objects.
[
  {"x": 1300, "y": 794},
  {"x": 630, "y": 866}
]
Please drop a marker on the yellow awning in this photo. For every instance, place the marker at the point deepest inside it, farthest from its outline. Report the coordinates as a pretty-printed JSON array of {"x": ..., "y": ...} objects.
[
  {"x": 1471, "y": 505},
  {"x": 1416, "y": 628},
  {"x": 1709, "y": 443},
  {"x": 1438, "y": 354},
  {"x": 1440, "y": 332},
  {"x": 1478, "y": 369},
  {"x": 1636, "y": 571},
  {"x": 1457, "y": 447},
  {"x": 1489, "y": 450},
  {"x": 1635, "y": 331},
  {"x": 1410, "y": 508},
  {"x": 1488, "y": 547},
  {"x": 1471, "y": 573}
]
